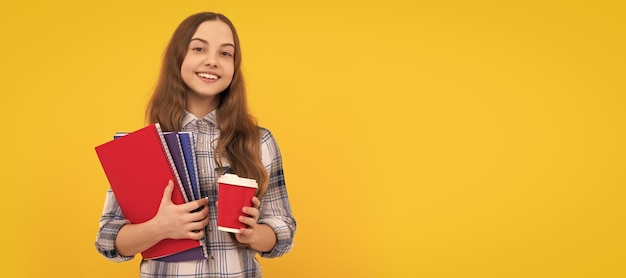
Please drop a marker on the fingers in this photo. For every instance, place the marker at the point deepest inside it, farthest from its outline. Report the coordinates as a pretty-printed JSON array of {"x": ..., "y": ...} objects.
[
  {"x": 246, "y": 234},
  {"x": 197, "y": 225},
  {"x": 197, "y": 204},
  {"x": 256, "y": 202},
  {"x": 252, "y": 212},
  {"x": 193, "y": 211},
  {"x": 167, "y": 192},
  {"x": 195, "y": 230},
  {"x": 243, "y": 233},
  {"x": 200, "y": 215},
  {"x": 197, "y": 235},
  {"x": 194, "y": 205},
  {"x": 249, "y": 220}
]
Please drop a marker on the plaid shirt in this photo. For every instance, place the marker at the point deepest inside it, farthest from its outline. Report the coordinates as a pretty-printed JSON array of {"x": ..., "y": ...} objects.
[{"x": 225, "y": 257}]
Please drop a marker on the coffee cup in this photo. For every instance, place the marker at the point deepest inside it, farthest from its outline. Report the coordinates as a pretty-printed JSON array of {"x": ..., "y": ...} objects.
[{"x": 233, "y": 194}]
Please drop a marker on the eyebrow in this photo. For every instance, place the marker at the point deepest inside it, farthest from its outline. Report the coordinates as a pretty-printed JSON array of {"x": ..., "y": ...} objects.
[{"x": 206, "y": 42}]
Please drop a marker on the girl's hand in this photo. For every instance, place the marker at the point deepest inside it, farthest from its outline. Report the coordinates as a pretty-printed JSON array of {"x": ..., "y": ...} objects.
[
  {"x": 249, "y": 235},
  {"x": 177, "y": 221}
]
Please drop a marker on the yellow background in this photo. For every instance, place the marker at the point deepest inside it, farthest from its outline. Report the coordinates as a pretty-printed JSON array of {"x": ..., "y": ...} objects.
[{"x": 432, "y": 139}]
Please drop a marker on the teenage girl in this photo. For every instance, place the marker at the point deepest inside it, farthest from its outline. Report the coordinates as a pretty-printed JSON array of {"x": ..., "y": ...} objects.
[{"x": 201, "y": 89}]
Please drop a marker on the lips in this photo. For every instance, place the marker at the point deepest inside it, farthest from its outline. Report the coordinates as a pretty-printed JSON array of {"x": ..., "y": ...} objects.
[{"x": 207, "y": 75}]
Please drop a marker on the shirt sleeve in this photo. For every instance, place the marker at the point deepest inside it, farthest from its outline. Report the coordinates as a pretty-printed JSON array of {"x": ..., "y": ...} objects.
[
  {"x": 111, "y": 222},
  {"x": 275, "y": 209}
]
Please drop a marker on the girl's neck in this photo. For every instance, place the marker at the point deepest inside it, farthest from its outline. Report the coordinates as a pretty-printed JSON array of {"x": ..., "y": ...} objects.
[{"x": 201, "y": 106}]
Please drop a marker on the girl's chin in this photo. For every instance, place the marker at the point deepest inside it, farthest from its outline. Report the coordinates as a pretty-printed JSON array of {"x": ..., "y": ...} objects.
[{"x": 206, "y": 93}]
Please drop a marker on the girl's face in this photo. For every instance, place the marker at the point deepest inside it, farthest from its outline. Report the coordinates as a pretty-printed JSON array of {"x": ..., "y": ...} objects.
[{"x": 209, "y": 64}]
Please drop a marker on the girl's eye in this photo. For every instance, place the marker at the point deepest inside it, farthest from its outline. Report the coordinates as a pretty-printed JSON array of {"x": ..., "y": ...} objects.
[
  {"x": 226, "y": 53},
  {"x": 197, "y": 49}
]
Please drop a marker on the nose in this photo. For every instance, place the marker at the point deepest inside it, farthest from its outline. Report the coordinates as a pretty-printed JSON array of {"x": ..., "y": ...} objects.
[{"x": 210, "y": 60}]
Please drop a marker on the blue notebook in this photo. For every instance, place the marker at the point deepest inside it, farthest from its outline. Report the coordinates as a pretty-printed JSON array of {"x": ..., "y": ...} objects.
[
  {"x": 188, "y": 146},
  {"x": 173, "y": 144}
]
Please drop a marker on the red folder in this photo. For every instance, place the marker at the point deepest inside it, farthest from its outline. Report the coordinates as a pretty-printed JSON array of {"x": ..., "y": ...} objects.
[{"x": 138, "y": 167}]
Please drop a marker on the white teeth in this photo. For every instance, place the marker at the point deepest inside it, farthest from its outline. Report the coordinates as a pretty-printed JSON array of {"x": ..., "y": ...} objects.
[{"x": 207, "y": 75}]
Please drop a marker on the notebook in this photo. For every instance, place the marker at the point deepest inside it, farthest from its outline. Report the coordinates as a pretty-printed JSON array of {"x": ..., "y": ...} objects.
[
  {"x": 189, "y": 152},
  {"x": 173, "y": 145}
]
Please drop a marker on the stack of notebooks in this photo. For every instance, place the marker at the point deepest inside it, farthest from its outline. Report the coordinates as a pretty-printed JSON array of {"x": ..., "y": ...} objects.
[{"x": 138, "y": 166}]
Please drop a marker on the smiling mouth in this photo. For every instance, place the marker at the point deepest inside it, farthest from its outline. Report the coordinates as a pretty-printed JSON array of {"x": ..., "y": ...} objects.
[{"x": 208, "y": 76}]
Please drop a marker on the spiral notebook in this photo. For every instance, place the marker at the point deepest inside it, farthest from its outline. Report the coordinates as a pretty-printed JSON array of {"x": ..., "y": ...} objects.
[
  {"x": 138, "y": 166},
  {"x": 189, "y": 152},
  {"x": 174, "y": 146}
]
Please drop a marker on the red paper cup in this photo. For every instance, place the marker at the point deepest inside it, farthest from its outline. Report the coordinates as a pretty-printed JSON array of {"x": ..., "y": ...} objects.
[{"x": 233, "y": 194}]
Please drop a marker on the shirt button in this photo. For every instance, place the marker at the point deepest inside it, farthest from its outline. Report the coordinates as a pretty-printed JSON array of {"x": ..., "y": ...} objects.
[{"x": 212, "y": 258}]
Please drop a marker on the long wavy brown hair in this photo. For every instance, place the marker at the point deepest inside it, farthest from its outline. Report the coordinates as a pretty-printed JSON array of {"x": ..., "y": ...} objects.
[{"x": 239, "y": 139}]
